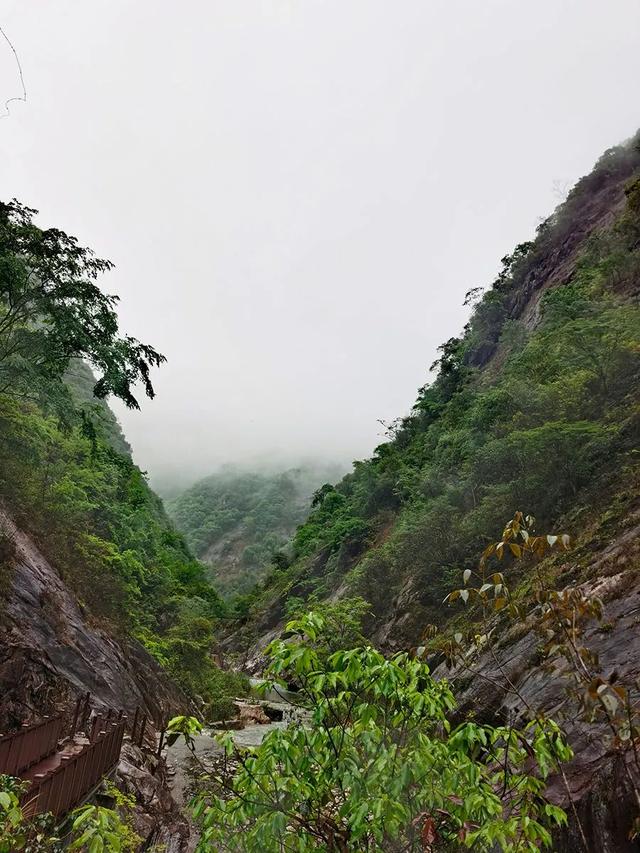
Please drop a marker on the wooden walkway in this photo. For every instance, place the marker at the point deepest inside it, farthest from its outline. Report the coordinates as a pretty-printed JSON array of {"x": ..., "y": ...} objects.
[{"x": 63, "y": 771}]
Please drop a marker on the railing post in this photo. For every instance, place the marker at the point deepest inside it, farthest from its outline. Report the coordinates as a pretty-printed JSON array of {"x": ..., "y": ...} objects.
[
  {"x": 76, "y": 714},
  {"x": 69, "y": 782},
  {"x": 78, "y": 779},
  {"x": 44, "y": 791},
  {"x": 85, "y": 712},
  {"x": 60, "y": 775},
  {"x": 96, "y": 727},
  {"x": 17, "y": 755},
  {"x": 134, "y": 726},
  {"x": 142, "y": 728}
]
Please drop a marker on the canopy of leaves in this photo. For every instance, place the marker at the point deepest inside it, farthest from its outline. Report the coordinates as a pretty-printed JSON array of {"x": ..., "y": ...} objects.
[
  {"x": 52, "y": 310},
  {"x": 380, "y": 767}
]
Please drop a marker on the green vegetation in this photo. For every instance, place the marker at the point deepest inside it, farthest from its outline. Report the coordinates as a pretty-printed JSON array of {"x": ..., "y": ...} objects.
[
  {"x": 100, "y": 830},
  {"x": 51, "y": 311},
  {"x": 560, "y": 617},
  {"x": 381, "y": 767},
  {"x": 65, "y": 472},
  {"x": 91, "y": 828},
  {"x": 237, "y": 520},
  {"x": 536, "y": 403}
]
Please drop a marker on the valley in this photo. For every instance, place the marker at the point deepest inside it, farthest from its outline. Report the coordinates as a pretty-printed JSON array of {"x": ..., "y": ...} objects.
[{"x": 457, "y": 615}]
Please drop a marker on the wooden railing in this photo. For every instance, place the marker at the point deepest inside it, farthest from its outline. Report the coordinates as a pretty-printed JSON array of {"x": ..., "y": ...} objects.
[
  {"x": 63, "y": 787},
  {"x": 22, "y": 749},
  {"x": 64, "y": 767}
]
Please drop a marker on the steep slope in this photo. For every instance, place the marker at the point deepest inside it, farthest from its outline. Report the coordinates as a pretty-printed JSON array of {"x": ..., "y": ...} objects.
[
  {"x": 535, "y": 407},
  {"x": 235, "y": 520},
  {"x": 67, "y": 479},
  {"x": 51, "y": 651},
  {"x": 604, "y": 565},
  {"x": 532, "y": 406}
]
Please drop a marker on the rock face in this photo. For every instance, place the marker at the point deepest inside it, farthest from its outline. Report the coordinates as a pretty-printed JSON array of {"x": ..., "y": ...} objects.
[
  {"x": 251, "y": 714},
  {"x": 50, "y": 652},
  {"x": 598, "y": 785},
  {"x": 157, "y": 818}
]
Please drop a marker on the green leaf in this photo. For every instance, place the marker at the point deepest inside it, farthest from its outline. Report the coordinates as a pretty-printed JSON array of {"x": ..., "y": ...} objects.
[{"x": 96, "y": 845}]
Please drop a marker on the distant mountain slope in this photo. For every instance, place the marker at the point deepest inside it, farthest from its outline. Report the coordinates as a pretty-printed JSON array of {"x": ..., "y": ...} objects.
[{"x": 235, "y": 520}]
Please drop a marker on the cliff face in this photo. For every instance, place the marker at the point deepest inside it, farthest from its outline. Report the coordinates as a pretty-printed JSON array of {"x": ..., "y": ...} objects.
[
  {"x": 51, "y": 651},
  {"x": 514, "y": 676},
  {"x": 533, "y": 406}
]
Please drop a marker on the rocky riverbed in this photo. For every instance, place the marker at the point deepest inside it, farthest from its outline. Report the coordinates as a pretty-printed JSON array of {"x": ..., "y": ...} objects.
[{"x": 183, "y": 767}]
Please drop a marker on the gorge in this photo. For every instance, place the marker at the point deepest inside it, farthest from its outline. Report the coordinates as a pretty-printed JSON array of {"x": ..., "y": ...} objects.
[{"x": 534, "y": 408}]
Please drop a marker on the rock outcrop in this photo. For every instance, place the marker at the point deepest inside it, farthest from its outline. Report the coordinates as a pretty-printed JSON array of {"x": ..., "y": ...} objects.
[
  {"x": 518, "y": 679},
  {"x": 51, "y": 651}
]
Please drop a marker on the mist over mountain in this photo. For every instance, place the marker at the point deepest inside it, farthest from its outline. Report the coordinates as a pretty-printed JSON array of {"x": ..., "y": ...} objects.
[{"x": 238, "y": 519}]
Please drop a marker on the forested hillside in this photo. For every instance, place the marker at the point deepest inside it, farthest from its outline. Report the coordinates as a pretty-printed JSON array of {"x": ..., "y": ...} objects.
[
  {"x": 534, "y": 406},
  {"x": 66, "y": 476},
  {"x": 496, "y": 536},
  {"x": 493, "y": 542},
  {"x": 236, "y": 520}
]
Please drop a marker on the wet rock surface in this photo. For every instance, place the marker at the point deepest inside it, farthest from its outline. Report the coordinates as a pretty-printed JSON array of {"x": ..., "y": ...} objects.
[
  {"x": 51, "y": 652},
  {"x": 184, "y": 767},
  {"x": 598, "y": 786},
  {"x": 158, "y": 818}
]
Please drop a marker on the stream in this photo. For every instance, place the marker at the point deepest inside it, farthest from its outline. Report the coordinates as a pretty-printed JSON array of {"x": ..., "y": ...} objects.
[{"x": 180, "y": 764}]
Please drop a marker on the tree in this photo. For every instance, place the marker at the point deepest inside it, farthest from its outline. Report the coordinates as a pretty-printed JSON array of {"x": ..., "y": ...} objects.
[
  {"x": 52, "y": 310},
  {"x": 381, "y": 767}
]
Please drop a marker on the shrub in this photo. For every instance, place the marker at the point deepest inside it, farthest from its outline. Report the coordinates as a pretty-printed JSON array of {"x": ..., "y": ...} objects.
[{"x": 381, "y": 767}]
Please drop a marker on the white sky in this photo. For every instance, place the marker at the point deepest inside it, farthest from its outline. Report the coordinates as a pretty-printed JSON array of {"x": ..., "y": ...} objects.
[{"x": 297, "y": 195}]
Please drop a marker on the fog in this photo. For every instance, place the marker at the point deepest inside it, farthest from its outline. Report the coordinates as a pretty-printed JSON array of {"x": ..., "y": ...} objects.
[{"x": 297, "y": 195}]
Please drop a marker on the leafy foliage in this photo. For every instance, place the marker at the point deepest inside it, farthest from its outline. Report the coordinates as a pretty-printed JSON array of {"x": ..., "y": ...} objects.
[
  {"x": 100, "y": 830},
  {"x": 52, "y": 310},
  {"x": 381, "y": 767}
]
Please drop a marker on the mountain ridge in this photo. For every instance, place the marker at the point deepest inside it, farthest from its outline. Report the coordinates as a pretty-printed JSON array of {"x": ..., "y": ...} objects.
[
  {"x": 579, "y": 274},
  {"x": 236, "y": 519}
]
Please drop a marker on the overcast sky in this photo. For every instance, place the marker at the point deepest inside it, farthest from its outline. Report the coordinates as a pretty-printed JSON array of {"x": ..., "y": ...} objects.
[{"x": 297, "y": 195}]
